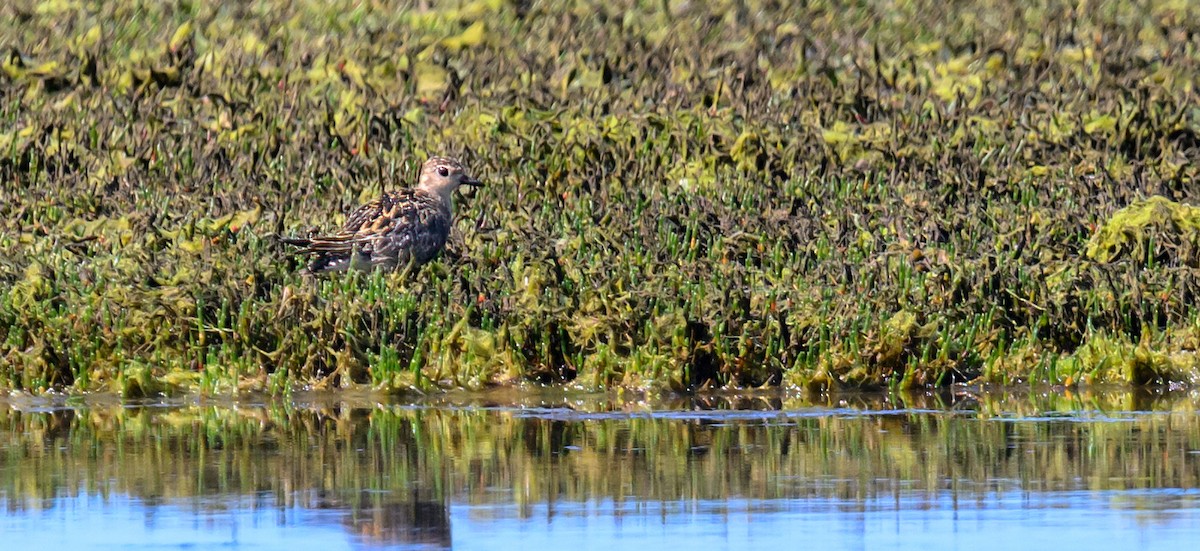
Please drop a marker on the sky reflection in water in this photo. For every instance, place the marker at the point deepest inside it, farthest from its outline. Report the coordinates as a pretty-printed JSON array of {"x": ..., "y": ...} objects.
[{"x": 1059, "y": 520}]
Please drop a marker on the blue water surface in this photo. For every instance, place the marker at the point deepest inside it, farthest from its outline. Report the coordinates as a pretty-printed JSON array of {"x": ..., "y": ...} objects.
[{"x": 1158, "y": 519}]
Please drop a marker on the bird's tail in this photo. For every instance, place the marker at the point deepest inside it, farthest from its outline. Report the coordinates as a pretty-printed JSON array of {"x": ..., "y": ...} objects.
[
  {"x": 294, "y": 241},
  {"x": 329, "y": 254}
]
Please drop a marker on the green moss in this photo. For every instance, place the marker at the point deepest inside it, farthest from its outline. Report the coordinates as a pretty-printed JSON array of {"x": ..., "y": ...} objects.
[{"x": 1156, "y": 229}]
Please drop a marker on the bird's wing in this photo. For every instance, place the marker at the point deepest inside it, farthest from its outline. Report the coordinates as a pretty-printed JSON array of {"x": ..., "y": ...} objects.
[
  {"x": 396, "y": 225},
  {"x": 377, "y": 215},
  {"x": 411, "y": 224},
  {"x": 364, "y": 213},
  {"x": 356, "y": 229}
]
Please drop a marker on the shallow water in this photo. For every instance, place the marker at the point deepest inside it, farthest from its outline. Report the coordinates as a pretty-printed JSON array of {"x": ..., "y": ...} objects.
[{"x": 530, "y": 470}]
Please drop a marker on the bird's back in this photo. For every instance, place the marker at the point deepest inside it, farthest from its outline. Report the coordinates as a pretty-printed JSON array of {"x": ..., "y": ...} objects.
[{"x": 407, "y": 225}]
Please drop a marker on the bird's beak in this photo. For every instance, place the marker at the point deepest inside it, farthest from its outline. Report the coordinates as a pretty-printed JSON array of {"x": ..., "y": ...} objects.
[{"x": 470, "y": 181}]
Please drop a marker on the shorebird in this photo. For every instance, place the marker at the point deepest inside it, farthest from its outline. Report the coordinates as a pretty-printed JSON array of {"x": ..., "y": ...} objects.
[{"x": 400, "y": 227}]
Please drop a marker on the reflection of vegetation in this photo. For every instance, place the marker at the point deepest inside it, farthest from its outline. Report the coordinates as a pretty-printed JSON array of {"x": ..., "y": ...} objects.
[
  {"x": 406, "y": 458},
  {"x": 682, "y": 193}
]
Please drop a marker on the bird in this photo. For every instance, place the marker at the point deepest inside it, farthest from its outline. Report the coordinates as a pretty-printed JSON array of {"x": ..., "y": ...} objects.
[{"x": 409, "y": 225}]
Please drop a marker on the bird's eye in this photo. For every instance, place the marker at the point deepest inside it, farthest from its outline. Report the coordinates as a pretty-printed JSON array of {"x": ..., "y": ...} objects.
[{"x": 443, "y": 171}]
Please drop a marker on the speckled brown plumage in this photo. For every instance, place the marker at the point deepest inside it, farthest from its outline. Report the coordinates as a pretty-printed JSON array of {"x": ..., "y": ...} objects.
[{"x": 399, "y": 228}]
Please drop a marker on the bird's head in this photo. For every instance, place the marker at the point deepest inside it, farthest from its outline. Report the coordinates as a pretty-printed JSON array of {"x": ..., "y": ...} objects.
[{"x": 443, "y": 175}]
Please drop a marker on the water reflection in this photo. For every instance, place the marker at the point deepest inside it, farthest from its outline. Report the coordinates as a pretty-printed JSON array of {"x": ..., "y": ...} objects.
[{"x": 533, "y": 468}]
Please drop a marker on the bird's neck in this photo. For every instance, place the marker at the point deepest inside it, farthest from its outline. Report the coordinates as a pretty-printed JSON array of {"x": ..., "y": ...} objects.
[{"x": 444, "y": 194}]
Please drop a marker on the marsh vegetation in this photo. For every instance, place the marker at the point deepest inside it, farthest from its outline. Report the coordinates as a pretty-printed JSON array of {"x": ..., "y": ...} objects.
[{"x": 681, "y": 195}]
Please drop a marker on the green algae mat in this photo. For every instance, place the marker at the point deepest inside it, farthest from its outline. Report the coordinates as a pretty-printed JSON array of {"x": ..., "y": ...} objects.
[{"x": 680, "y": 195}]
